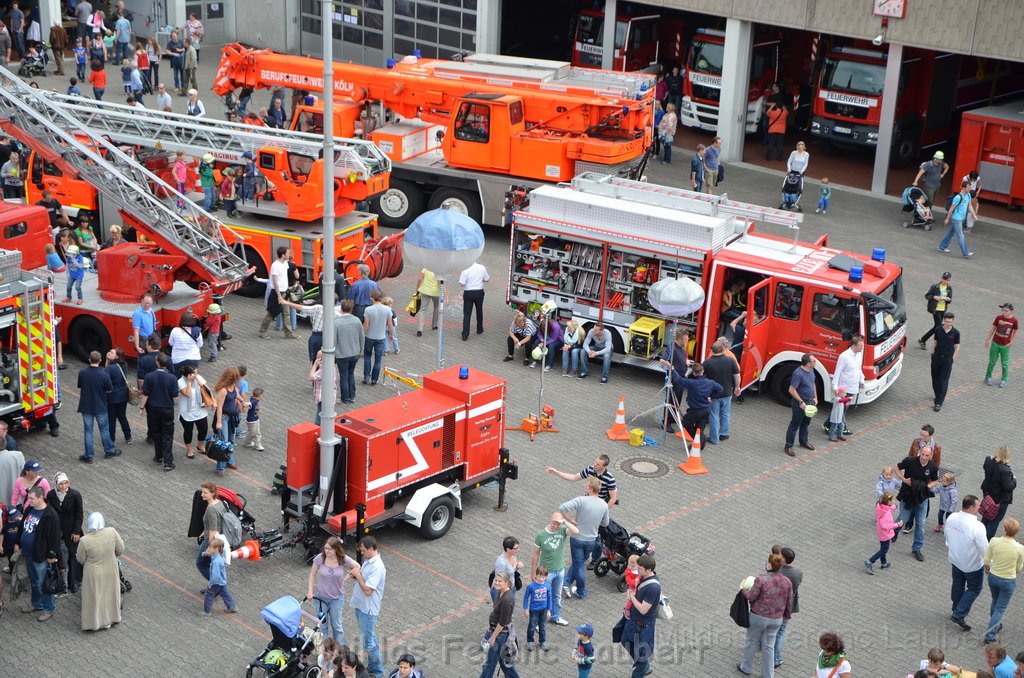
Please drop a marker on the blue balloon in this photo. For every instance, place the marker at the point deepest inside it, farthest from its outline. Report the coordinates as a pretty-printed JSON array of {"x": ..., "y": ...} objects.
[{"x": 445, "y": 230}]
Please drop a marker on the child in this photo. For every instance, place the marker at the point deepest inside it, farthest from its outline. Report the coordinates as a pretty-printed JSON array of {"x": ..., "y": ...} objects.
[
  {"x": 76, "y": 272},
  {"x": 936, "y": 663},
  {"x": 824, "y": 195},
  {"x": 227, "y": 192},
  {"x": 81, "y": 54},
  {"x": 53, "y": 262},
  {"x": 886, "y": 528},
  {"x": 632, "y": 576},
  {"x": 948, "y": 498},
  {"x": 253, "y": 437},
  {"x": 126, "y": 76},
  {"x": 887, "y": 482},
  {"x": 98, "y": 79},
  {"x": 243, "y": 394},
  {"x": 537, "y": 605},
  {"x": 218, "y": 579},
  {"x": 73, "y": 88},
  {"x": 213, "y": 324},
  {"x": 316, "y": 375},
  {"x": 328, "y": 652},
  {"x": 584, "y": 652},
  {"x": 11, "y": 524},
  {"x": 838, "y": 415},
  {"x": 137, "y": 85},
  {"x": 391, "y": 341},
  {"x": 180, "y": 173}
]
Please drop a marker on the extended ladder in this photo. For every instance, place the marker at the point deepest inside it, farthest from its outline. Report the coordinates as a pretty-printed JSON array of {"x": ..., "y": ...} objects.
[
  {"x": 35, "y": 346},
  {"x": 680, "y": 199},
  {"x": 42, "y": 124},
  {"x": 225, "y": 140}
]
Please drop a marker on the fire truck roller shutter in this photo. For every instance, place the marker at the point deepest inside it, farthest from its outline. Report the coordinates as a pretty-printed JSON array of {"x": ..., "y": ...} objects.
[
  {"x": 458, "y": 200},
  {"x": 399, "y": 205},
  {"x": 88, "y": 334},
  {"x": 433, "y": 509}
]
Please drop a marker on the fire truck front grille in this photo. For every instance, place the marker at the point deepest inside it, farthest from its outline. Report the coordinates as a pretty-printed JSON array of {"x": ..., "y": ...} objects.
[
  {"x": 706, "y": 93},
  {"x": 448, "y": 442},
  {"x": 846, "y": 110}
]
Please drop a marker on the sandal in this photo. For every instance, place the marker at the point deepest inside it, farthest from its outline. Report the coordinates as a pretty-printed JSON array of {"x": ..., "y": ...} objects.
[{"x": 190, "y": 456}]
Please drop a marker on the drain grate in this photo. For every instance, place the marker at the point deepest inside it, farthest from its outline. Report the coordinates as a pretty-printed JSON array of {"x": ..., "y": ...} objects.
[{"x": 644, "y": 467}]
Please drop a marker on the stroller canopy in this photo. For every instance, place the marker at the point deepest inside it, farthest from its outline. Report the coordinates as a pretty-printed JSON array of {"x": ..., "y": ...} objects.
[
  {"x": 911, "y": 194},
  {"x": 285, "y": 615}
]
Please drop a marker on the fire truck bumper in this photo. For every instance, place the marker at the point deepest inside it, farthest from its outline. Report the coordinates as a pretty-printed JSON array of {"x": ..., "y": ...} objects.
[
  {"x": 876, "y": 387},
  {"x": 844, "y": 133}
]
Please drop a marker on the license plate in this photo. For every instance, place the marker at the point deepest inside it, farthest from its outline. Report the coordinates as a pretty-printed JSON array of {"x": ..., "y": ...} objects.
[
  {"x": 893, "y": 373},
  {"x": 842, "y": 130}
]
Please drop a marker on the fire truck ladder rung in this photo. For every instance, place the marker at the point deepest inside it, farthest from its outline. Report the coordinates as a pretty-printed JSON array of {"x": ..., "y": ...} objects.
[
  {"x": 227, "y": 140},
  {"x": 122, "y": 180}
]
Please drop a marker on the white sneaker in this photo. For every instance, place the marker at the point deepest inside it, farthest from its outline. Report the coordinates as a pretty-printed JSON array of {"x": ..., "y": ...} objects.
[
  {"x": 572, "y": 590},
  {"x": 817, "y": 211},
  {"x": 547, "y": 368},
  {"x": 561, "y": 621}
]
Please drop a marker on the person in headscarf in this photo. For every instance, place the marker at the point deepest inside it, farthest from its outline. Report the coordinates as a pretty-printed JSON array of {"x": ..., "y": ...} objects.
[
  {"x": 98, "y": 552},
  {"x": 67, "y": 502}
]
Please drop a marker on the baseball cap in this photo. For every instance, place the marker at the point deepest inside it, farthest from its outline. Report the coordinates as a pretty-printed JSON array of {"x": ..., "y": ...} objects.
[
  {"x": 1008, "y": 306},
  {"x": 947, "y": 275},
  {"x": 585, "y": 629},
  {"x": 32, "y": 465}
]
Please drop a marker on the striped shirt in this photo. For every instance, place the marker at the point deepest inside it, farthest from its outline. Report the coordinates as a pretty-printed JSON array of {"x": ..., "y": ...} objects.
[{"x": 607, "y": 481}]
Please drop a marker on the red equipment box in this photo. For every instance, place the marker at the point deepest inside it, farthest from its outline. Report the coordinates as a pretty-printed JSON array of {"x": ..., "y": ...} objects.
[{"x": 992, "y": 142}]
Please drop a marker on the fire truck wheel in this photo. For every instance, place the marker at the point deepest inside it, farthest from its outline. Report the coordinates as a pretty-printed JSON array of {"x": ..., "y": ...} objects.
[
  {"x": 438, "y": 518},
  {"x": 906, "y": 147},
  {"x": 399, "y": 205},
  {"x": 779, "y": 384},
  {"x": 86, "y": 335},
  {"x": 252, "y": 288},
  {"x": 460, "y": 201}
]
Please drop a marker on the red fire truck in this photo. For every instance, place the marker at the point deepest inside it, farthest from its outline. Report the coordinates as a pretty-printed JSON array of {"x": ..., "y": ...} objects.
[
  {"x": 935, "y": 88},
  {"x": 405, "y": 459},
  {"x": 641, "y": 41},
  {"x": 991, "y": 142},
  {"x": 597, "y": 246},
  {"x": 28, "y": 362},
  {"x": 774, "y": 58}
]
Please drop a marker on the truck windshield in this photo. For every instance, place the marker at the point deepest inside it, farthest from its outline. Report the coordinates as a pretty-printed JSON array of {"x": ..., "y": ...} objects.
[
  {"x": 706, "y": 57},
  {"x": 886, "y": 311},
  {"x": 591, "y": 31},
  {"x": 857, "y": 77}
]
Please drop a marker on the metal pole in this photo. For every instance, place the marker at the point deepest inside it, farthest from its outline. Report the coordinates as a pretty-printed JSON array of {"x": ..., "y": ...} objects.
[
  {"x": 543, "y": 364},
  {"x": 328, "y": 437},
  {"x": 440, "y": 325}
]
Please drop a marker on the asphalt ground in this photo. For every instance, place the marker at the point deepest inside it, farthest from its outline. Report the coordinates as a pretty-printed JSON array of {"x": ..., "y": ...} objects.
[{"x": 710, "y": 531}]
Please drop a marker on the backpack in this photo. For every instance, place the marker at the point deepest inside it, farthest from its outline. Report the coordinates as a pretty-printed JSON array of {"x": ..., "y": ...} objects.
[
  {"x": 664, "y": 609},
  {"x": 231, "y": 527}
]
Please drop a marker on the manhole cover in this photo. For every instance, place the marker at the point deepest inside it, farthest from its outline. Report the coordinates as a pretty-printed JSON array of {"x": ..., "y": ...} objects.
[{"x": 644, "y": 467}]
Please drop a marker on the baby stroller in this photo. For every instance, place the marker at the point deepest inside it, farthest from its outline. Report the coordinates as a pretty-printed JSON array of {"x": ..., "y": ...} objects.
[
  {"x": 235, "y": 503},
  {"x": 915, "y": 202},
  {"x": 287, "y": 655},
  {"x": 617, "y": 545},
  {"x": 33, "y": 64},
  {"x": 792, "y": 189}
]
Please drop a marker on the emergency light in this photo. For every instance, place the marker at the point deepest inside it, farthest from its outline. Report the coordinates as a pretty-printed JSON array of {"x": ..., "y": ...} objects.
[
  {"x": 878, "y": 254},
  {"x": 856, "y": 274}
]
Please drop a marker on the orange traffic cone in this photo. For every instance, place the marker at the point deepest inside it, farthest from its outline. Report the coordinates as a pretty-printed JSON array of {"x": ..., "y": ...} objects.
[
  {"x": 618, "y": 431},
  {"x": 693, "y": 464},
  {"x": 250, "y": 550}
]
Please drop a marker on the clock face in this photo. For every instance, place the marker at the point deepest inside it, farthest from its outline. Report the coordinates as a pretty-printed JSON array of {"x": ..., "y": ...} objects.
[{"x": 890, "y": 8}]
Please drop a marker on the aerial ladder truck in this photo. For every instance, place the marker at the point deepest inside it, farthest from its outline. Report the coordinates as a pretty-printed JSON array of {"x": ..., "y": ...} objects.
[
  {"x": 289, "y": 207},
  {"x": 459, "y": 133},
  {"x": 189, "y": 258}
]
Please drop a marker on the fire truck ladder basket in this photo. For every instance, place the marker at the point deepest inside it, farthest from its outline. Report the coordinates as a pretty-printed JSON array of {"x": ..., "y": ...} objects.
[
  {"x": 677, "y": 198},
  {"x": 226, "y": 140},
  {"x": 37, "y": 121}
]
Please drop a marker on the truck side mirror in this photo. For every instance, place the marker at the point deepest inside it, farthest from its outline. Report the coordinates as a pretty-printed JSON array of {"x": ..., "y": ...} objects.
[{"x": 440, "y": 135}]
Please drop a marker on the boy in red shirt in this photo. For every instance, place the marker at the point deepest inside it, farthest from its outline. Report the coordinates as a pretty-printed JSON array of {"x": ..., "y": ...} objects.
[
  {"x": 214, "y": 319},
  {"x": 1000, "y": 339}
]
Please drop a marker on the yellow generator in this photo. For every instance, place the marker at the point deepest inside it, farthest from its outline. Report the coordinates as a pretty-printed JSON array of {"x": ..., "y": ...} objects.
[{"x": 646, "y": 337}]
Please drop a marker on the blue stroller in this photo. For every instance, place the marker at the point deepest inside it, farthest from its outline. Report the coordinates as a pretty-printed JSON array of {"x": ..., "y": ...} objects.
[
  {"x": 288, "y": 653},
  {"x": 915, "y": 202}
]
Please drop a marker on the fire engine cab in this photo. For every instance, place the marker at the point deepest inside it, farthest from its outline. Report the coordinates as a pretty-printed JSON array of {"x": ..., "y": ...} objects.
[{"x": 596, "y": 246}]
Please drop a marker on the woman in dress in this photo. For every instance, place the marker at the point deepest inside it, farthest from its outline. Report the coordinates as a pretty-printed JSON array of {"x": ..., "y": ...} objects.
[
  {"x": 999, "y": 483},
  {"x": 326, "y": 585},
  {"x": 98, "y": 552},
  {"x": 192, "y": 410},
  {"x": 771, "y": 601},
  {"x": 227, "y": 414},
  {"x": 117, "y": 399}
]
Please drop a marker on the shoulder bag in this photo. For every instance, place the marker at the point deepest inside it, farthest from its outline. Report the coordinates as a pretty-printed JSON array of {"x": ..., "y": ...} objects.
[
  {"x": 989, "y": 508},
  {"x": 207, "y": 396},
  {"x": 740, "y": 610},
  {"x": 664, "y": 609},
  {"x": 133, "y": 391}
]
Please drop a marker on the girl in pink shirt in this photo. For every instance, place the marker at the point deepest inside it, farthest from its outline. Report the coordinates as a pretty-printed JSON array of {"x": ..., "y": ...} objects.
[{"x": 886, "y": 528}]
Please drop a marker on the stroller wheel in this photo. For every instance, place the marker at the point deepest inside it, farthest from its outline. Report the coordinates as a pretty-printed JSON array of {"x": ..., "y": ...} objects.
[
  {"x": 622, "y": 586},
  {"x": 927, "y": 227},
  {"x": 602, "y": 567},
  {"x": 905, "y": 224}
]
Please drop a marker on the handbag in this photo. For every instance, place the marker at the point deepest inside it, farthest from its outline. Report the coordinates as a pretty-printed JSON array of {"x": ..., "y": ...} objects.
[
  {"x": 413, "y": 307},
  {"x": 989, "y": 508},
  {"x": 133, "y": 391},
  {"x": 740, "y": 610},
  {"x": 721, "y": 173},
  {"x": 51, "y": 581},
  {"x": 207, "y": 396}
]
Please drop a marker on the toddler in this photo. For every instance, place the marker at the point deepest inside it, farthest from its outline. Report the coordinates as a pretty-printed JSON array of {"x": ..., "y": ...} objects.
[
  {"x": 824, "y": 195},
  {"x": 948, "y": 498},
  {"x": 228, "y": 193},
  {"x": 81, "y": 53},
  {"x": 126, "y": 76},
  {"x": 584, "y": 652},
  {"x": 936, "y": 663},
  {"x": 253, "y": 437},
  {"x": 316, "y": 376},
  {"x": 76, "y": 272},
  {"x": 838, "y": 415},
  {"x": 887, "y": 482},
  {"x": 537, "y": 605},
  {"x": 391, "y": 341},
  {"x": 53, "y": 261},
  {"x": 243, "y": 393},
  {"x": 218, "y": 578},
  {"x": 632, "y": 576},
  {"x": 214, "y": 319},
  {"x": 11, "y": 522},
  {"x": 73, "y": 88},
  {"x": 885, "y": 528}
]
